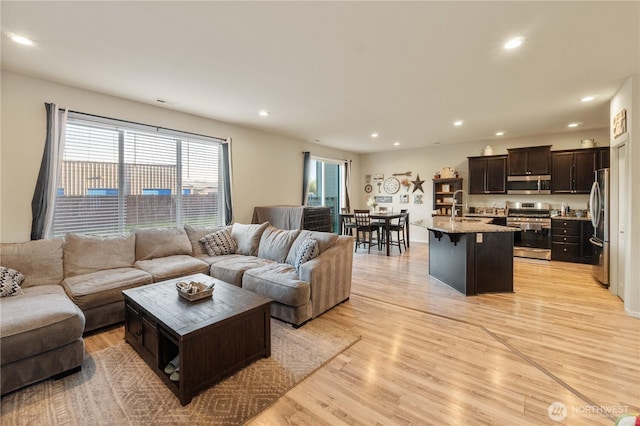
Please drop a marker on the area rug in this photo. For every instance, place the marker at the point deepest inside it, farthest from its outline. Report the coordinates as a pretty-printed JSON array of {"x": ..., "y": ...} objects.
[{"x": 116, "y": 387}]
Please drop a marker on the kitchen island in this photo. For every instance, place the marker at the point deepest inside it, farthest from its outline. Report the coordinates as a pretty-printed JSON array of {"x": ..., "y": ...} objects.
[{"x": 471, "y": 256}]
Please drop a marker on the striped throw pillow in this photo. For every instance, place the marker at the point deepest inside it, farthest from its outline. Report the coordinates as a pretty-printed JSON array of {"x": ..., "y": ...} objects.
[
  {"x": 219, "y": 243},
  {"x": 308, "y": 250}
]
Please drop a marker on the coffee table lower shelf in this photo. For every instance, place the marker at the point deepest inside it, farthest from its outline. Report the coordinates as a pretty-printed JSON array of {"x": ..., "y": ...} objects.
[{"x": 215, "y": 337}]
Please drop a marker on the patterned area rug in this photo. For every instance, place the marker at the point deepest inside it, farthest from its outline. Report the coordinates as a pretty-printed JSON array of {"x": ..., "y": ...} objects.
[{"x": 116, "y": 387}]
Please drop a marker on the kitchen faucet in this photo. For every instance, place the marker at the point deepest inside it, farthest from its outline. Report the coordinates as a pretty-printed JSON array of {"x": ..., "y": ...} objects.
[{"x": 454, "y": 204}]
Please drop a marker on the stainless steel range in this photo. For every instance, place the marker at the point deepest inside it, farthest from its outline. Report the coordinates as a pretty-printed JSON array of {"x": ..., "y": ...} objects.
[{"x": 534, "y": 222}]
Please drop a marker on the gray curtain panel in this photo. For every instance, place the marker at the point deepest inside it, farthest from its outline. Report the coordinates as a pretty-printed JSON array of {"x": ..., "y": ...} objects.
[
  {"x": 347, "y": 183},
  {"x": 228, "y": 206},
  {"x": 46, "y": 185},
  {"x": 306, "y": 166}
]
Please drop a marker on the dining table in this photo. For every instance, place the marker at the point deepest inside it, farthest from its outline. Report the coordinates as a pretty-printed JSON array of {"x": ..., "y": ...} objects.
[{"x": 386, "y": 217}]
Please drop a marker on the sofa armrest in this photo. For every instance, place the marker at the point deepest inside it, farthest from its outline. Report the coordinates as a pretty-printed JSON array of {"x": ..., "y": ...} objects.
[{"x": 329, "y": 275}]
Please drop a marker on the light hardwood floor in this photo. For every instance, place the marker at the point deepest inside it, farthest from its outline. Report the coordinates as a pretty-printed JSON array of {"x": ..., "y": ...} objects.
[{"x": 429, "y": 355}]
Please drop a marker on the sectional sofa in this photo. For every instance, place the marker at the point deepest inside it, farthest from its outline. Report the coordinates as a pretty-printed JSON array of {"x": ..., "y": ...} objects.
[{"x": 74, "y": 285}]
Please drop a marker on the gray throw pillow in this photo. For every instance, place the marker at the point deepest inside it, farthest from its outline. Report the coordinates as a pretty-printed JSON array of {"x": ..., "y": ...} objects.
[
  {"x": 308, "y": 250},
  {"x": 10, "y": 281},
  {"x": 219, "y": 243}
]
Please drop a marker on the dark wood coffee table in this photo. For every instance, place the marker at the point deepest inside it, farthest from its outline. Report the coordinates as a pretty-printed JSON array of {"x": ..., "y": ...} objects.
[{"x": 215, "y": 337}]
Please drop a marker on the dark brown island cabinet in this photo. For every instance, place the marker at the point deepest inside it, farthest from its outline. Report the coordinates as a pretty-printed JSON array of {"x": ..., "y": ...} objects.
[
  {"x": 570, "y": 240},
  {"x": 488, "y": 174},
  {"x": 472, "y": 257},
  {"x": 530, "y": 161}
]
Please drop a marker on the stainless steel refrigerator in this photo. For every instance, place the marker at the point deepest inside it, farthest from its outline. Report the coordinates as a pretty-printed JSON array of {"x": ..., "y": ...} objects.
[{"x": 599, "y": 209}]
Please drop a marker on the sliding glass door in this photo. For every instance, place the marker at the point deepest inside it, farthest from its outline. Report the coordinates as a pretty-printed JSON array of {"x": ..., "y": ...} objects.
[{"x": 326, "y": 181}]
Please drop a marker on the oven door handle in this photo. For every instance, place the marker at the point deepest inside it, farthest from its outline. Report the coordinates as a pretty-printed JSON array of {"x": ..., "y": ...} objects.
[{"x": 595, "y": 242}]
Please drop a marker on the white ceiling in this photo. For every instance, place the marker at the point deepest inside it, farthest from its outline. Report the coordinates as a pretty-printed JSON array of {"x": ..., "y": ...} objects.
[{"x": 337, "y": 71}]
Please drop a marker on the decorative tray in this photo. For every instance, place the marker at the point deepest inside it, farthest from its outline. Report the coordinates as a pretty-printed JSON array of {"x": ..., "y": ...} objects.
[{"x": 193, "y": 290}]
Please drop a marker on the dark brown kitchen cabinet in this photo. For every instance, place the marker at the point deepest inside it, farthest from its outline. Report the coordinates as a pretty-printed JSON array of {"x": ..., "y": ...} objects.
[
  {"x": 530, "y": 161},
  {"x": 572, "y": 171},
  {"x": 488, "y": 175},
  {"x": 602, "y": 158},
  {"x": 570, "y": 240}
]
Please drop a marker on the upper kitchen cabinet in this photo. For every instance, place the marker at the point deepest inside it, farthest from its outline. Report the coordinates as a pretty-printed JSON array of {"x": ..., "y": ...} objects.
[
  {"x": 530, "y": 161},
  {"x": 602, "y": 158},
  {"x": 572, "y": 171},
  {"x": 488, "y": 174}
]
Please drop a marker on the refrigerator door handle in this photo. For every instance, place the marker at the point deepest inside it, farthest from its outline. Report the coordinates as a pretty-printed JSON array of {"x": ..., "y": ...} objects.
[
  {"x": 596, "y": 242},
  {"x": 594, "y": 204}
]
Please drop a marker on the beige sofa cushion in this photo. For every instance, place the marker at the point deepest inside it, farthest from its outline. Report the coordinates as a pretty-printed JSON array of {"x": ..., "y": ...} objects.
[
  {"x": 248, "y": 237},
  {"x": 195, "y": 233},
  {"x": 103, "y": 287},
  {"x": 165, "y": 268},
  {"x": 40, "y": 261},
  {"x": 161, "y": 242},
  {"x": 231, "y": 270},
  {"x": 275, "y": 243},
  {"x": 324, "y": 239},
  {"x": 279, "y": 282},
  {"x": 84, "y": 254},
  {"x": 40, "y": 320}
]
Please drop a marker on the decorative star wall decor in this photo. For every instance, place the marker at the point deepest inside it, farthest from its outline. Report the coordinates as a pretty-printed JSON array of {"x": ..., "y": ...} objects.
[{"x": 417, "y": 184}]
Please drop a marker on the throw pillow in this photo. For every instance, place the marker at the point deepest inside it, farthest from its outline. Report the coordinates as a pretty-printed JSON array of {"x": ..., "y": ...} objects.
[
  {"x": 308, "y": 250},
  {"x": 219, "y": 242},
  {"x": 10, "y": 281}
]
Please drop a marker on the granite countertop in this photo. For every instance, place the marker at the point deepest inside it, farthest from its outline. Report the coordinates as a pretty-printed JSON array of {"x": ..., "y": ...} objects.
[
  {"x": 467, "y": 227},
  {"x": 484, "y": 215},
  {"x": 570, "y": 218}
]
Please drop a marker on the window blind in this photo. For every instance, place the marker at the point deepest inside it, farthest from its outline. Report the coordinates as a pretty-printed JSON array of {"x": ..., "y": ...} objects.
[{"x": 118, "y": 176}]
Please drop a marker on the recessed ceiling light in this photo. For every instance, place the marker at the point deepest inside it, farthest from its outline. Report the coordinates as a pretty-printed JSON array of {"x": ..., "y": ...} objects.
[
  {"x": 458, "y": 123},
  {"x": 20, "y": 39},
  {"x": 587, "y": 99},
  {"x": 264, "y": 113},
  {"x": 396, "y": 144},
  {"x": 374, "y": 135},
  {"x": 499, "y": 133},
  {"x": 573, "y": 124},
  {"x": 514, "y": 42}
]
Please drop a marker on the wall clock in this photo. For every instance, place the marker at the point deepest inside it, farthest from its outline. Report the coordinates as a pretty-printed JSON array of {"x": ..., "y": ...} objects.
[
  {"x": 391, "y": 185},
  {"x": 368, "y": 188}
]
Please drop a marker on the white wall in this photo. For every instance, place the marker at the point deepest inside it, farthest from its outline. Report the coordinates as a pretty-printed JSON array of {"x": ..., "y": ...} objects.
[
  {"x": 267, "y": 169},
  {"x": 426, "y": 161},
  {"x": 628, "y": 97}
]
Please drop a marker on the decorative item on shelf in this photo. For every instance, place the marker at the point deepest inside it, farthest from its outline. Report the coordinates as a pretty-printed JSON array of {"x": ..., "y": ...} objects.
[
  {"x": 488, "y": 150},
  {"x": 406, "y": 183},
  {"x": 436, "y": 175},
  {"x": 588, "y": 143},
  {"x": 371, "y": 202},
  {"x": 417, "y": 184},
  {"x": 446, "y": 187},
  {"x": 447, "y": 172}
]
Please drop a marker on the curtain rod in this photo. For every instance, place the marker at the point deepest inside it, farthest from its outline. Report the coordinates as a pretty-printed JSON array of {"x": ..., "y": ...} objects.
[
  {"x": 344, "y": 160},
  {"x": 142, "y": 124}
]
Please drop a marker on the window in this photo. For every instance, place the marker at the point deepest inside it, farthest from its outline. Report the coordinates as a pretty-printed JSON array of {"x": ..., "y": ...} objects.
[
  {"x": 116, "y": 176},
  {"x": 325, "y": 183}
]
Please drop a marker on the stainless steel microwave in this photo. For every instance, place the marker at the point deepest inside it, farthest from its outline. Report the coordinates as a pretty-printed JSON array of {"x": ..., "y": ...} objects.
[{"x": 529, "y": 185}]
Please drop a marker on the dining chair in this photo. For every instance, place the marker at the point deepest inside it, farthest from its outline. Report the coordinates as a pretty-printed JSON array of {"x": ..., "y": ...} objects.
[
  {"x": 365, "y": 230},
  {"x": 348, "y": 223},
  {"x": 399, "y": 228}
]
